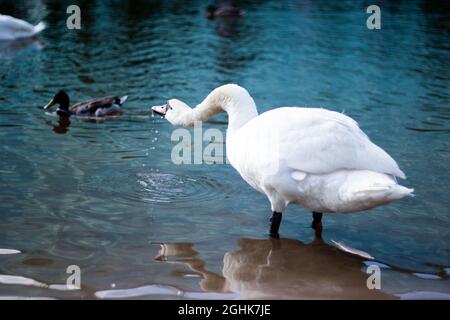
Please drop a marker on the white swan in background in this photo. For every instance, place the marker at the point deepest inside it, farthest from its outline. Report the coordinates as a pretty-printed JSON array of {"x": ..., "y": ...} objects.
[
  {"x": 316, "y": 158},
  {"x": 12, "y": 28}
]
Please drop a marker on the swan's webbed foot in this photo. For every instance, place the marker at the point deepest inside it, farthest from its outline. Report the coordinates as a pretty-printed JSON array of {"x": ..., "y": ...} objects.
[
  {"x": 275, "y": 224},
  {"x": 317, "y": 221}
]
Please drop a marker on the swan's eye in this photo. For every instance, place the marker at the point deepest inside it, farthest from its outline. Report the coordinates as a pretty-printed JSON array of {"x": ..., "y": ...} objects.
[{"x": 168, "y": 106}]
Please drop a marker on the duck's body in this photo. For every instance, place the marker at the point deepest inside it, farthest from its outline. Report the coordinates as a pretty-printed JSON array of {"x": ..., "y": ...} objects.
[
  {"x": 12, "y": 28},
  {"x": 100, "y": 107},
  {"x": 317, "y": 158},
  {"x": 224, "y": 11}
]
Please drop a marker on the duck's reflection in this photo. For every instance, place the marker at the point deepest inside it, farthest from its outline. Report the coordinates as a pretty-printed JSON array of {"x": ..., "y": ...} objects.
[
  {"x": 280, "y": 269},
  {"x": 63, "y": 125}
]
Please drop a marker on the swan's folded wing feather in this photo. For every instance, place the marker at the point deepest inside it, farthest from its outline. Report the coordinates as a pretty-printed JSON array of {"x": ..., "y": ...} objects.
[
  {"x": 319, "y": 141},
  {"x": 329, "y": 141}
]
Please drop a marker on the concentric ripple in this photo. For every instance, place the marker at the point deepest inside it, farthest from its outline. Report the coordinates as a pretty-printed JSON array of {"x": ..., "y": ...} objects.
[
  {"x": 156, "y": 188},
  {"x": 163, "y": 188}
]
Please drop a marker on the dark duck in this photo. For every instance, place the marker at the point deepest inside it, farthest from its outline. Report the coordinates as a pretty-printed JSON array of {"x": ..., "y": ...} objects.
[
  {"x": 107, "y": 106},
  {"x": 228, "y": 10}
]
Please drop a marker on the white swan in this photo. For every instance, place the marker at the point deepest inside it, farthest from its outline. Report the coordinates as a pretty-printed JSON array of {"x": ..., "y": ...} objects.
[
  {"x": 316, "y": 158},
  {"x": 12, "y": 28}
]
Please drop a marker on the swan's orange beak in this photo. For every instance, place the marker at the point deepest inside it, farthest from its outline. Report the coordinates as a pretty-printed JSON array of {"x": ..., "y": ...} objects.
[{"x": 161, "y": 110}]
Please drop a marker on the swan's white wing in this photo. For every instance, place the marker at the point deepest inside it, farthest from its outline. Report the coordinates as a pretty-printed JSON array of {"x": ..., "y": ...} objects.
[
  {"x": 13, "y": 28},
  {"x": 319, "y": 141}
]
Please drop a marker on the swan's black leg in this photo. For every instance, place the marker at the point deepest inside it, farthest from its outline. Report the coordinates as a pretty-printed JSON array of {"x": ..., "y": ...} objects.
[
  {"x": 317, "y": 220},
  {"x": 318, "y": 233},
  {"x": 275, "y": 224}
]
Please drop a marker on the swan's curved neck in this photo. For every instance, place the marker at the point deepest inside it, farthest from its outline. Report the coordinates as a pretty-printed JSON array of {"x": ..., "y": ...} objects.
[{"x": 232, "y": 99}]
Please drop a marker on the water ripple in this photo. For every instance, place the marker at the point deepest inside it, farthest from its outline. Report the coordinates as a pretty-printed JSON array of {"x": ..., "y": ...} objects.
[{"x": 163, "y": 188}]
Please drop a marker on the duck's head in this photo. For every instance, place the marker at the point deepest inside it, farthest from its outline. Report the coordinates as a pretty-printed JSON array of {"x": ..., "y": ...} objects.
[
  {"x": 61, "y": 99},
  {"x": 175, "y": 111}
]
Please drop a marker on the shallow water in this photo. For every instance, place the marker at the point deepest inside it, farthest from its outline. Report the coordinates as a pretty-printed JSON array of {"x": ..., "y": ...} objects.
[{"x": 106, "y": 196}]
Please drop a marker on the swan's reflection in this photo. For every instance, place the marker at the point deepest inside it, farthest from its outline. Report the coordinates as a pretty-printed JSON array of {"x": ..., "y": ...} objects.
[
  {"x": 280, "y": 269},
  {"x": 12, "y": 47}
]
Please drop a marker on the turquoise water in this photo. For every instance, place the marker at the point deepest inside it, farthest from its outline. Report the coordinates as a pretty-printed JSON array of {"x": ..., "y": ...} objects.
[{"x": 106, "y": 197}]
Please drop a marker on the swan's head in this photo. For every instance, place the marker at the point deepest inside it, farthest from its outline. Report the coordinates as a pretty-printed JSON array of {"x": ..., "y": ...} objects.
[
  {"x": 175, "y": 111},
  {"x": 229, "y": 98}
]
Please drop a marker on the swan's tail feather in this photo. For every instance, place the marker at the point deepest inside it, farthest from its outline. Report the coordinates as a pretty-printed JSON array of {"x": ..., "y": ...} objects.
[
  {"x": 391, "y": 192},
  {"x": 39, "y": 27},
  {"x": 401, "y": 191}
]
